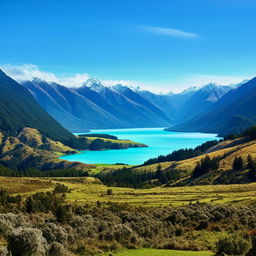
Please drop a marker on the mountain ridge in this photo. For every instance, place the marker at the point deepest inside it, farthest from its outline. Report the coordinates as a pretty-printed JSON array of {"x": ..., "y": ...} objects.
[{"x": 237, "y": 102}]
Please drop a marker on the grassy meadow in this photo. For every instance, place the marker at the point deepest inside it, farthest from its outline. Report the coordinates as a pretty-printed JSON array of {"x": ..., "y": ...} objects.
[{"x": 90, "y": 190}]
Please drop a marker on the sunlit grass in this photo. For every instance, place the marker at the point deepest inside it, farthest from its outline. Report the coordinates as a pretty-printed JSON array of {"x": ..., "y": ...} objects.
[
  {"x": 91, "y": 190},
  {"x": 155, "y": 252}
]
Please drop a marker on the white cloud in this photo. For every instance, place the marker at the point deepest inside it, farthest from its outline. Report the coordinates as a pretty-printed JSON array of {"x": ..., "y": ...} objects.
[
  {"x": 31, "y": 71},
  {"x": 169, "y": 32}
]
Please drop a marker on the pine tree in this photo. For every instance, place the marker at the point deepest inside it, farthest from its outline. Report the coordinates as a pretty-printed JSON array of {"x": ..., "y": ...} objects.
[
  {"x": 252, "y": 168},
  {"x": 197, "y": 171},
  {"x": 250, "y": 162},
  {"x": 238, "y": 163},
  {"x": 159, "y": 172},
  {"x": 61, "y": 214},
  {"x": 29, "y": 205}
]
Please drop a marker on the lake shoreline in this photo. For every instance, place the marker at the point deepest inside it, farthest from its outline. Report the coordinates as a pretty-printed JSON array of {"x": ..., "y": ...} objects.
[{"x": 158, "y": 141}]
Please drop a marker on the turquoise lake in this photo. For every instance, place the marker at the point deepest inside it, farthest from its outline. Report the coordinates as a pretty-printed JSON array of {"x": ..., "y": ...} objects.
[{"x": 159, "y": 142}]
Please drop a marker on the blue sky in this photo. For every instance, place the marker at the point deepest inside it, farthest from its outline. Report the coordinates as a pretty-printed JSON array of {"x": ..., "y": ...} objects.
[{"x": 159, "y": 44}]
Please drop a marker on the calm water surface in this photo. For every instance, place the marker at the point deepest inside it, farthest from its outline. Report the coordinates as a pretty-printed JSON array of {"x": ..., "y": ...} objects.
[{"x": 159, "y": 142}]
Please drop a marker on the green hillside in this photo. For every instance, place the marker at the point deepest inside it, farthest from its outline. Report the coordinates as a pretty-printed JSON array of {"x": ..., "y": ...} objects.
[{"x": 18, "y": 110}]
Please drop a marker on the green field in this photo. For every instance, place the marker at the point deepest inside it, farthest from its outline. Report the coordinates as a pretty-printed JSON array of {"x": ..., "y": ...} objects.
[
  {"x": 155, "y": 252},
  {"x": 176, "y": 196},
  {"x": 91, "y": 190}
]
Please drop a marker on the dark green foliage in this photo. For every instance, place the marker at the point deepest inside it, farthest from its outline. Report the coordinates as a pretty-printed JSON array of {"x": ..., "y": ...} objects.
[
  {"x": 61, "y": 188},
  {"x": 250, "y": 162},
  {"x": 62, "y": 214},
  {"x": 127, "y": 177},
  {"x": 43, "y": 202},
  {"x": 97, "y": 144},
  {"x": 27, "y": 242},
  {"x": 99, "y": 135},
  {"x": 78, "y": 143},
  {"x": 233, "y": 245},
  {"x": 176, "y": 155},
  {"x": 206, "y": 145},
  {"x": 205, "y": 165},
  {"x": 8, "y": 202},
  {"x": 109, "y": 192},
  {"x": 238, "y": 163},
  {"x": 251, "y": 165},
  {"x": 251, "y": 132},
  {"x": 7, "y": 172},
  {"x": 183, "y": 154}
]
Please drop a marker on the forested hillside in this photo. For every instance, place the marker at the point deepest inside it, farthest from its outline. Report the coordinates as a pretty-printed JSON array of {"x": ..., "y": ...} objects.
[{"x": 18, "y": 109}]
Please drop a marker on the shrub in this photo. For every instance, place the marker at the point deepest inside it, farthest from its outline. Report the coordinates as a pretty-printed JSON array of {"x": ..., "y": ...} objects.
[
  {"x": 54, "y": 233},
  {"x": 203, "y": 224},
  {"x": 60, "y": 188},
  {"x": 57, "y": 249},
  {"x": 233, "y": 245},
  {"x": 27, "y": 242},
  {"x": 109, "y": 192},
  {"x": 62, "y": 214}
]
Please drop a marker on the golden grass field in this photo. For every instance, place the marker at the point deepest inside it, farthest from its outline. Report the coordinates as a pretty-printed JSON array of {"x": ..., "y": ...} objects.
[{"x": 90, "y": 190}]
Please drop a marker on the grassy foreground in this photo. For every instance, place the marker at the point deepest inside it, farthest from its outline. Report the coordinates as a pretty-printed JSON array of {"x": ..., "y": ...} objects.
[{"x": 155, "y": 252}]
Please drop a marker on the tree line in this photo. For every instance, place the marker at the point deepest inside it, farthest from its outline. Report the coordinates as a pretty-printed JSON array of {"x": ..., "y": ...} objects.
[{"x": 183, "y": 154}]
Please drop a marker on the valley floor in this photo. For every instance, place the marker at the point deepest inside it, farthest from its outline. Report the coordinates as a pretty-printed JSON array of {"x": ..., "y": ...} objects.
[{"x": 90, "y": 190}]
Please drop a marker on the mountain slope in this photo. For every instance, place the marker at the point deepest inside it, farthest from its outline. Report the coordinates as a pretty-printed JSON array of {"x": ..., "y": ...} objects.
[
  {"x": 135, "y": 97},
  {"x": 163, "y": 102},
  {"x": 18, "y": 110},
  {"x": 95, "y": 106},
  {"x": 200, "y": 100},
  {"x": 137, "y": 114},
  {"x": 220, "y": 116},
  {"x": 72, "y": 110}
]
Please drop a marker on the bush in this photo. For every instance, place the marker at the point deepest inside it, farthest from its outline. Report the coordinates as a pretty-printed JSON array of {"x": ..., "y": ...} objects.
[
  {"x": 109, "y": 192},
  {"x": 61, "y": 188},
  {"x": 233, "y": 245},
  {"x": 57, "y": 249},
  {"x": 27, "y": 242}
]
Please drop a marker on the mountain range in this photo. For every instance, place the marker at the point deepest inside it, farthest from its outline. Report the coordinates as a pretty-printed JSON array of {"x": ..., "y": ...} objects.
[
  {"x": 95, "y": 106},
  {"x": 210, "y": 108},
  {"x": 231, "y": 114}
]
